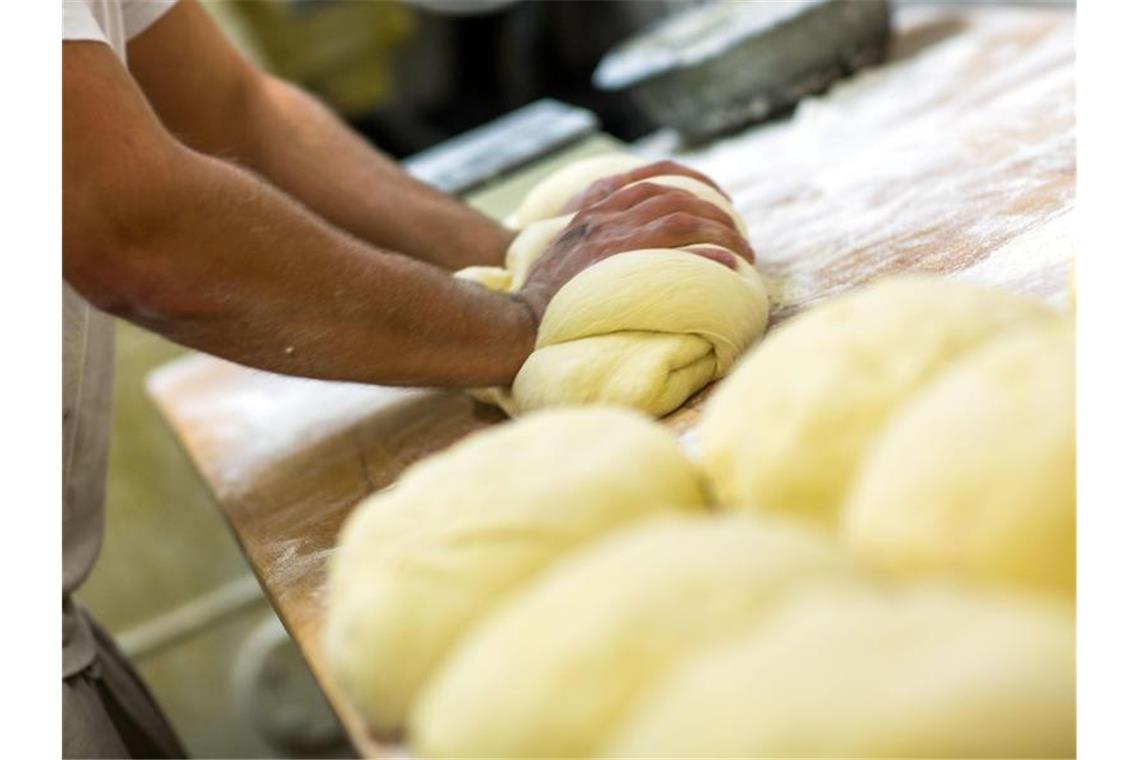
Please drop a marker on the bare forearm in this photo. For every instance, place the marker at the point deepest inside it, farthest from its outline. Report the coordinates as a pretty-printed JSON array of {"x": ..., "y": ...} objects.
[
  {"x": 301, "y": 147},
  {"x": 217, "y": 103},
  {"x": 229, "y": 265}
]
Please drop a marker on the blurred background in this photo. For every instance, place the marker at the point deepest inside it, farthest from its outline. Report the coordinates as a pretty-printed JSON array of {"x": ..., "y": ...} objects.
[
  {"x": 410, "y": 74},
  {"x": 171, "y": 583}
]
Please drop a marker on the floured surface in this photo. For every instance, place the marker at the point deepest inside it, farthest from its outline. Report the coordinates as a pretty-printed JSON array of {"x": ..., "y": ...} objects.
[
  {"x": 1033, "y": 262},
  {"x": 965, "y": 140},
  {"x": 958, "y": 157}
]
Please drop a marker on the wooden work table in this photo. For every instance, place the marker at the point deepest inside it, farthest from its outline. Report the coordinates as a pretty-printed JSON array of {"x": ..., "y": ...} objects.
[{"x": 958, "y": 157}]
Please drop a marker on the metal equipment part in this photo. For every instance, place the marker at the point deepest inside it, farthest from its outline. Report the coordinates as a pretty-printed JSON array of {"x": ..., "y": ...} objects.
[
  {"x": 720, "y": 66},
  {"x": 507, "y": 143}
]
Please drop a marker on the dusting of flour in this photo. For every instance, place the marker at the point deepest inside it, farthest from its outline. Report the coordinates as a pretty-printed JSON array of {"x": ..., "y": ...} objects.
[{"x": 961, "y": 143}]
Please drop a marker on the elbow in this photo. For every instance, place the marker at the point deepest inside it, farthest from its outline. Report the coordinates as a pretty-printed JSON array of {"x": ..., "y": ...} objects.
[
  {"x": 118, "y": 250},
  {"x": 114, "y": 279},
  {"x": 139, "y": 285}
]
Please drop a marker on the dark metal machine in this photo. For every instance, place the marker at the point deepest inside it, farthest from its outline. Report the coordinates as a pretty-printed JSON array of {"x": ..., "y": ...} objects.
[{"x": 719, "y": 66}]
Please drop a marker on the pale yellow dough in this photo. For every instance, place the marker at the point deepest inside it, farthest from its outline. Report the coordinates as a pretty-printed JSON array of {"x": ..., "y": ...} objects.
[
  {"x": 550, "y": 196},
  {"x": 786, "y": 431},
  {"x": 930, "y": 672},
  {"x": 644, "y": 329},
  {"x": 421, "y": 561},
  {"x": 976, "y": 476},
  {"x": 554, "y": 670}
]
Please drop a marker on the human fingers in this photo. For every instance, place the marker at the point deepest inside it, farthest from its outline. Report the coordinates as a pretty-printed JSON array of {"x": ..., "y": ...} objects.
[
  {"x": 668, "y": 167},
  {"x": 602, "y": 189},
  {"x": 681, "y": 228},
  {"x": 598, "y": 191},
  {"x": 633, "y": 195},
  {"x": 719, "y": 255},
  {"x": 663, "y": 204}
]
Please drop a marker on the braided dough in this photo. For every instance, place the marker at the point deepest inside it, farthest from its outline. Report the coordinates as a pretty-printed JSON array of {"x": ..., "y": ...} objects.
[
  {"x": 644, "y": 329},
  {"x": 976, "y": 476},
  {"x": 928, "y": 672},
  {"x": 554, "y": 671},
  {"x": 787, "y": 430},
  {"x": 420, "y": 562}
]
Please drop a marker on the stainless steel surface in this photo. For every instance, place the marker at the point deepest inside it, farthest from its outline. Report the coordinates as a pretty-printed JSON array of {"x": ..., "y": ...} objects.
[{"x": 474, "y": 158}]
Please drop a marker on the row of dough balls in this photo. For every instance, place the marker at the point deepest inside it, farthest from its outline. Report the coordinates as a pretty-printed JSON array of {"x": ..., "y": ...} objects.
[
  {"x": 557, "y": 586},
  {"x": 930, "y": 423},
  {"x": 750, "y": 642},
  {"x": 644, "y": 329}
]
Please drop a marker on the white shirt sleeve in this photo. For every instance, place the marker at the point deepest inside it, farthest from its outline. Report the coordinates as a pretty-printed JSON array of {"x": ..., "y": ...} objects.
[
  {"x": 138, "y": 15},
  {"x": 79, "y": 24},
  {"x": 112, "y": 21}
]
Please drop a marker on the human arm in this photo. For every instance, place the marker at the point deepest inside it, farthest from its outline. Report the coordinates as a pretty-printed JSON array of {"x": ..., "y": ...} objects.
[
  {"x": 209, "y": 255},
  {"x": 215, "y": 101}
]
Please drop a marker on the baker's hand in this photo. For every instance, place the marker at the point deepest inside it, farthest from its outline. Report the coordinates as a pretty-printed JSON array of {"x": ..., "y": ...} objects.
[
  {"x": 642, "y": 216},
  {"x": 603, "y": 188}
]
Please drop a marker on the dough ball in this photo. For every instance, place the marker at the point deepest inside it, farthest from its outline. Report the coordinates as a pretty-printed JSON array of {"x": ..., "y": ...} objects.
[
  {"x": 785, "y": 432},
  {"x": 552, "y": 672},
  {"x": 550, "y": 196},
  {"x": 421, "y": 561},
  {"x": 925, "y": 673},
  {"x": 644, "y": 329},
  {"x": 976, "y": 475}
]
